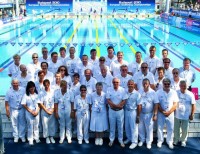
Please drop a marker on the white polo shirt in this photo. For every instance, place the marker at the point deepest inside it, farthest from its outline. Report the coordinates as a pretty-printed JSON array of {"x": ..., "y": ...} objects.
[
  {"x": 94, "y": 62},
  {"x": 115, "y": 67},
  {"x": 75, "y": 89},
  {"x": 14, "y": 70},
  {"x": 183, "y": 110},
  {"x": 91, "y": 84},
  {"x": 106, "y": 81},
  {"x": 41, "y": 59},
  {"x": 24, "y": 80},
  {"x": 175, "y": 85},
  {"x": 166, "y": 100},
  {"x": 116, "y": 96},
  {"x": 68, "y": 80},
  {"x": 80, "y": 68},
  {"x": 159, "y": 84},
  {"x": 148, "y": 100},
  {"x": 108, "y": 61},
  {"x": 168, "y": 73},
  {"x": 71, "y": 64},
  {"x": 31, "y": 101},
  {"x": 138, "y": 78},
  {"x": 188, "y": 75},
  {"x": 132, "y": 100},
  {"x": 14, "y": 97},
  {"x": 97, "y": 71},
  {"x": 64, "y": 101},
  {"x": 39, "y": 86},
  {"x": 53, "y": 67},
  {"x": 33, "y": 69},
  {"x": 124, "y": 80},
  {"x": 134, "y": 67},
  {"x": 47, "y": 99},
  {"x": 98, "y": 102},
  {"x": 82, "y": 105},
  {"x": 153, "y": 63}
]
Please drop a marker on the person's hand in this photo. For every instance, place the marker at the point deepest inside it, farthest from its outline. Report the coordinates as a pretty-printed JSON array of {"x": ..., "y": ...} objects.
[
  {"x": 72, "y": 115},
  {"x": 191, "y": 117},
  {"x": 8, "y": 114},
  {"x": 166, "y": 113},
  {"x": 137, "y": 120},
  {"x": 34, "y": 113},
  {"x": 57, "y": 116},
  {"x": 49, "y": 111},
  {"x": 154, "y": 117}
]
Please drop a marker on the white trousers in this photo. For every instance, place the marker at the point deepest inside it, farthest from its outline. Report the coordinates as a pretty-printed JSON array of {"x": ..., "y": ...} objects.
[
  {"x": 83, "y": 125},
  {"x": 18, "y": 122},
  {"x": 131, "y": 127},
  {"x": 146, "y": 128},
  {"x": 170, "y": 127},
  {"x": 48, "y": 124},
  {"x": 33, "y": 126},
  {"x": 65, "y": 124},
  {"x": 116, "y": 117}
]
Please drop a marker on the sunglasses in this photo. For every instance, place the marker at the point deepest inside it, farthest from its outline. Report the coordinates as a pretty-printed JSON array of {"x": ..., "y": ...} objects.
[
  {"x": 175, "y": 73},
  {"x": 34, "y": 57},
  {"x": 166, "y": 62},
  {"x": 101, "y": 60},
  {"x": 166, "y": 84},
  {"x": 83, "y": 90},
  {"x": 115, "y": 82},
  {"x": 144, "y": 67},
  {"x": 62, "y": 70}
]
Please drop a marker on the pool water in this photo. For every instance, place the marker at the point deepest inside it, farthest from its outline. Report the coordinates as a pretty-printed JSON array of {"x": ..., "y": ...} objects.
[{"x": 28, "y": 36}]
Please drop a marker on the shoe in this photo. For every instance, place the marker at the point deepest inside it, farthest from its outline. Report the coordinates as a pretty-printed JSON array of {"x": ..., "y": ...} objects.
[
  {"x": 61, "y": 141},
  {"x": 69, "y": 140},
  {"x": 52, "y": 140},
  {"x": 140, "y": 143},
  {"x": 159, "y": 144},
  {"x": 183, "y": 144},
  {"x": 132, "y": 146},
  {"x": 79, "y": 141},
  {"x": 16, "y": 140},
  {"x": 175, "y": 143},
  {"x": 110, "y": 144},
  {"x": 47, "y": 140},
  {"x": 23, "y": 140},
  {"x": 37, "y": 141},
  {"x": 100, "y": 141},
  {"x": 148, "y": 146},
  {"x": 171, "y": 146},
  {"x": 126, "y": 141},
  {"x": 87, "y": 141},
  {"x": 122, "y": 144},
  {"x": 96, "y": 141},
  {"x": 31, "y": 143}
]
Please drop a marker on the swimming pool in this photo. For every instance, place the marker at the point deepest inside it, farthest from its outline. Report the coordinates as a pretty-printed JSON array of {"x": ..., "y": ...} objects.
[{"x": 28, "y": 36}]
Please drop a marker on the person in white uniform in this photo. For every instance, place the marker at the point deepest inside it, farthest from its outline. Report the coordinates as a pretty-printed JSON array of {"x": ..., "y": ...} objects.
[
  {"x": 75, "y": 88},
  {"x": 147, "y": 113},
  {"x": 64, "y": 100},
  {"x": 116, "y": 98},
  {"x": 56, "y": 83},
  {"x": 165, "y": 54},
  {"x": 44, "y": 57},
  {"x": 115, "y": 65},
  {"x": 187, "y": 73},
  {"x": 15, "y": 111},
  {"x": 110, "y": 57},
  {"x": 168, "y": 100},
  {"x": 47, "y": 74},
  {"x": 94, "y": 60},
  {"x": 30, "y": 102},
  {"x": 81, "y": 107},
  {"x": 54, "y": 63},
  {"x": 63, "y": 55},
  {"x": 183, "y": 114},
  {"x": 175, "y": 80},
  {"x": 39, "y": 83},
  {"x": 99, "y": 119},
  {"x": 65, "y": 75},
  {"x": 159, "y": 79},
  {"x": 89, "y": 81},
  {"x": 135, "y": 66},
  {"x": 131, "y": 127},
  {"x": 124, "y": 76},
  {"x": 46, "y": 104},
  {"x": 13, "y": 69}
]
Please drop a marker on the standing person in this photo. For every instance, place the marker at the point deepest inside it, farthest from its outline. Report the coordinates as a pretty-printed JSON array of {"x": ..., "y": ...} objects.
[
  {"x": 187, "y": 73},
  {"x": 131, "y": 127},
  {"x": 183, "y": 114},
  {"x": 116, "y": 97},
  {"x": 135, "y": 66},
  {"x": 47, "y": 105},
  {"x": 47, "y": 74},
  {"x": 64, "y": 75},
  {"x": 64, "y": 101},
  {"x": 30, "y": 102},
  {"x": 75, "y": 88},
  {"x": 94, "y": 60},
  {"x": 81, "y": 107},
  {"x": 44, "y": 57},
  {"x": 159, "y": 79},
  {"x": 176, "y": 79},
  {"x": 13, "y": 69},
  {"x": 110, "y": 57},
  {"x": 57, "y": 81},
  {"x": 168, "y": 99},
  {"x": 165, "y": 55},
  {"x": 63, "y": 55},
  {"x": 15, "y": 111},
  {"x": 54, "y": 63},
  {"x": 147, "y": 113},
  {"x": 115, "y": 65},
  {"x": 99, "y": 119},
  {"x": 39, "y": 83}
]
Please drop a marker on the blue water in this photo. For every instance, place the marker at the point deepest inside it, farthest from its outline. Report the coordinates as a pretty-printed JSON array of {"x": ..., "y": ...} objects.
[{"x": 29, "y": 36}]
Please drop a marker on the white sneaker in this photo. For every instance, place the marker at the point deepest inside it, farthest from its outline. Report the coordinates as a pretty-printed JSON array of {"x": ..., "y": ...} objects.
[
  {"x": 47, "y": 140},
  {"x": 16, "y": 140},
  {"x": 171, "y": 146},
  {"x": 37, "y": 141},
  {"x": 126, "y": 141},
  {"x": 87, "y": 141},
  {"x": 69, "y": 140},
  {"x": 61, "y": 141},
  {"x": 159, "y": 144},
  {"x": 140, "y": 143},
  {"x": 80, "y": 141},
  {"x": 148, "y": 146},
  {"x": 132, "y": 146},
  {"x": 110, "y": 144},
  {"x": 100, "y": 141},
  {"x": 96, "y": 141},
  {"x": 183, "y": 144},
  {"x": 122, "y": 144},
  {"x": 23, "y": 140},
  {"x": 31, "y": 142},
  {"x": 52, "y": 140},
  {"x": 175, "y": 143}
]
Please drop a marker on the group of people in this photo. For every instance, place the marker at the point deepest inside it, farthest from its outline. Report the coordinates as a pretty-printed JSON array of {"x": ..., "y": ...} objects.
[{"x": 100, "y": 94}]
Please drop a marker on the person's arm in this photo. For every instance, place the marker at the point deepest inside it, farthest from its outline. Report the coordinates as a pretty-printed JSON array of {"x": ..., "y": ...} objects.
[
  {"x": 192, "y": 112},
  {"x": 121, "y": 104},
  {"x": 72, "y": 114},
  {"x": 155, "y": 112},
  {"x": 44, "y": 108},
  {"x": 173, "y": 108},
  {"x": 160, "y": 108},
  {"x": 56, "y": 110},
  {"x": 7, "y": 109},
  {"x": 28, "y": 109},
  {"x": 112, "y": 105},
  {"x": 139, "y": 109}
]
